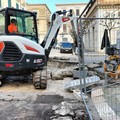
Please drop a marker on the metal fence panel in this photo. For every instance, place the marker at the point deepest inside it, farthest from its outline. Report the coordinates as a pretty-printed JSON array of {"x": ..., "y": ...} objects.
[{"x": 101, "y": 57}]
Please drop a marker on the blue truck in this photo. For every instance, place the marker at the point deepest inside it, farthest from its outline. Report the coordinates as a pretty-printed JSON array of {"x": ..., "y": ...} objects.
[{"x": 66, "y": 47}]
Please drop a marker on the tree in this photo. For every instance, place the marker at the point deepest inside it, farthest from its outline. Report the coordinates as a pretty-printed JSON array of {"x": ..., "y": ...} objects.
[{"x": 109, "y": 22}]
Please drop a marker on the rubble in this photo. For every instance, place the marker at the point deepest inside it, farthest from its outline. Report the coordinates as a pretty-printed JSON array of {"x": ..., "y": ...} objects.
[
  {"x": 100, "y": 72},
  {"x": 62, "y": 118},
  {"x": 64, "y": 60},
  {"x": 96, "y": 69},
  {"x": 64, "y": 109},
  {"x": 61, "y": 74},
  {"x": 78, "y": 74},
  {"x": 77, "y": 94},
  {"x": 93, "y": 66},
  {"x": 68, "y": 73},
  {"x": 80, "y": 114},
  {"x": 56, "y": 76},
  {"x": 60, "y": 69}
]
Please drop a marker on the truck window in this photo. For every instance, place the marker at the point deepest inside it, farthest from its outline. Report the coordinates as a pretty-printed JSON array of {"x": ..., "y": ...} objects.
[{"x": 66, "y": 44}]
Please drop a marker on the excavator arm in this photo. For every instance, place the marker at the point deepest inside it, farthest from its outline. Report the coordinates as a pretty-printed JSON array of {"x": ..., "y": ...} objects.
[{"x": 58, "y": 18}]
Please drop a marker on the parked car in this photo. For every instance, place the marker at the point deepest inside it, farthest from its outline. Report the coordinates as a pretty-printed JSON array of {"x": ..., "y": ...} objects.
[
  {"x": 66, "y": 47},
  {"x": 56, "y": 46}
]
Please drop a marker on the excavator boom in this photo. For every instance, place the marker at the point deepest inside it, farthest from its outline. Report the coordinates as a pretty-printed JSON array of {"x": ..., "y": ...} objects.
[{"x": 58, "y": 18}]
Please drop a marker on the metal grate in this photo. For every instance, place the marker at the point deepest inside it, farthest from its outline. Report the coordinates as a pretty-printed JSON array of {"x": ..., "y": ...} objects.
[{"x": 11, "y": 52}]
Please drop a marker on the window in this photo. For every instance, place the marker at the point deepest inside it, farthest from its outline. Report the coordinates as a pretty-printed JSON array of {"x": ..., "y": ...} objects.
[
  {"x": 118, "y": 14},
  {"x": 17, "y": 5},
  {"x": 2, "y": 22},
  {"x": 77, "y": 12},
  {"x": 25, "y": 24},
  {"x": 89, "y": 39},
  {"x": 29, "y": 23},
  {"x": 0, "y": 4},
  {"x": 64, "y": 12},
  {"x": 65, "y": 39},
  {"x": 64, "y": 28},
  {"x": 9, "y": 3}
]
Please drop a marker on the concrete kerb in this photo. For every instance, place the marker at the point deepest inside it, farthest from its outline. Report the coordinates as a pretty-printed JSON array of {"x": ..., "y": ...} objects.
[{"x": 94, "y": 54}]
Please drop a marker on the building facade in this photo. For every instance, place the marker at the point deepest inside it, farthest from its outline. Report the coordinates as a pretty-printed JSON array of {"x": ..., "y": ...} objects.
[
  {"x": 19, "y": 4},
  {"x": 43, "y": 18},
  {"x": 64, "y": 33},
  {"x": 101, "y": 15}
]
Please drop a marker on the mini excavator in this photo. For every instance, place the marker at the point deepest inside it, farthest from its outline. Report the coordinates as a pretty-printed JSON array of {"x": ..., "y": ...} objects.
[{"x": 20, "y": 53}]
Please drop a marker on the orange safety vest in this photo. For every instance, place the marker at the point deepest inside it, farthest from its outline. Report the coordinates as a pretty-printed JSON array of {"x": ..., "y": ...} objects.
[{"x": 12, "y": 28}]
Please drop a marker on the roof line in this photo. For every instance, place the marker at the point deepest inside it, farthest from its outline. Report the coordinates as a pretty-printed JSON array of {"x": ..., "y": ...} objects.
[{"x": 39, "y": 4}]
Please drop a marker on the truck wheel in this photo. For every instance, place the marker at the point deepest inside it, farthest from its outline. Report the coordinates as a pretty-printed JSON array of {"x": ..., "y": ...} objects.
[
  {"x": 40, "y": 79},
  {"x": 61, "y": 51}
]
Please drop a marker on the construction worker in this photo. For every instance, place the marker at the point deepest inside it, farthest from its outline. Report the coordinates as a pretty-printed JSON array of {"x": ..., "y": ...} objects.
[{"x": 12, "y": 28}]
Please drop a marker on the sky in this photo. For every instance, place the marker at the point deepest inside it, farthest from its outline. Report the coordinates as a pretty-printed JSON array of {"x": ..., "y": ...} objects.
[{"x": 51, "y": 3}]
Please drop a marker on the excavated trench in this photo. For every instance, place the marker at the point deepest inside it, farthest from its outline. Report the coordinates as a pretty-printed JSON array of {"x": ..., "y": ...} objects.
[
  {"x": 59, "y": 68},
  {"x": 61, "y": 62}
]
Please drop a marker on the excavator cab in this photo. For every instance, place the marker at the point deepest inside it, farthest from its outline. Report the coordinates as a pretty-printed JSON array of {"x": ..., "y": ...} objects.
[{"x": 26, "y": 23}]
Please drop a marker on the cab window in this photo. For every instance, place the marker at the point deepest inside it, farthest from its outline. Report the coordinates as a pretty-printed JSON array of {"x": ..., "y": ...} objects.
[
  {"x": 2, "y": 22},
  {"x": 30, "y": 29},
  {"x": 25, "y": 24}
]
